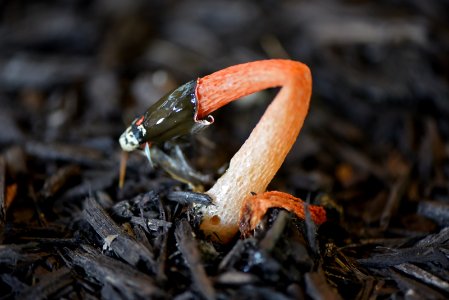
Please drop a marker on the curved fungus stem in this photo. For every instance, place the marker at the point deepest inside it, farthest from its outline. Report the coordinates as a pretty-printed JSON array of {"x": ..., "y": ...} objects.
[
  {"x": 255, "y": 207},
  {"x": 186, "y": 110},
  {"x": 260, "y": 157}
]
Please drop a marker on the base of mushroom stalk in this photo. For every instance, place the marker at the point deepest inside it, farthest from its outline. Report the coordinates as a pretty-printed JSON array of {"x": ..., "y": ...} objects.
[
  {"x": 216, "y": 230},
  {"x": 219, "y": 225},
  {"x": 214, "y": 224}
]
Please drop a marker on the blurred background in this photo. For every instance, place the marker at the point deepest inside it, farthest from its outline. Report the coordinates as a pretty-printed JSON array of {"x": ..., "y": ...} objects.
[
  {"x": 375, "y": 147},
  {"x": 86, "y": 64}
]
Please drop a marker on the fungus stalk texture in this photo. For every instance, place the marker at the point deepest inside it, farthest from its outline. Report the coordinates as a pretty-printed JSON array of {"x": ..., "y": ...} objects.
[{"x": 255, "y": 164}]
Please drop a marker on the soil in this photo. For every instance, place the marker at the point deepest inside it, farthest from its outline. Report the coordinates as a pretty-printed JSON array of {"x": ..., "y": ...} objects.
[{"x": 374, "y": 150}]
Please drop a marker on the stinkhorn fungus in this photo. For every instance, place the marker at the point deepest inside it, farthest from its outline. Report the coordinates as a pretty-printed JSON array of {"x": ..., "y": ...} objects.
[{"x": 242, "y": 189}]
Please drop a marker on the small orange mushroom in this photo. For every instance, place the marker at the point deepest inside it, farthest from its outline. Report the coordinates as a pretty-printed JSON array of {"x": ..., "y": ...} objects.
[{"x": 253, "y": 167}]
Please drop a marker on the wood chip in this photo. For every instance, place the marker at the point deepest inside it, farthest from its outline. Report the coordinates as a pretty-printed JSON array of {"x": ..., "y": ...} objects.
[
  {"x": 437, "y": 211},
  {"x": 126, "y": 280},
  {"x": 406, "y": 255},
  {"x": 189, "y": 249},
  {"x": 55, "y": 182},
  {"x": 187, "y": 197},
  {"x": 115, "y": 238},
  {"x": 424, "y": 276},
  {"x": 68, "y": 153},
  {"x": 49, "y": 285},
  {"x": 318, "y": 288},
  {"x": 415, "y": 289}
]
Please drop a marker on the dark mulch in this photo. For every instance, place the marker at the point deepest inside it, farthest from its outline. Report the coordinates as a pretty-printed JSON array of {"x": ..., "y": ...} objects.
[{"x": 374, "y": 150}]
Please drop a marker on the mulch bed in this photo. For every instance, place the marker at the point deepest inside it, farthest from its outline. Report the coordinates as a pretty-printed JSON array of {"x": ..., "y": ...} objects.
[{"x": 374, "y": 151}]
